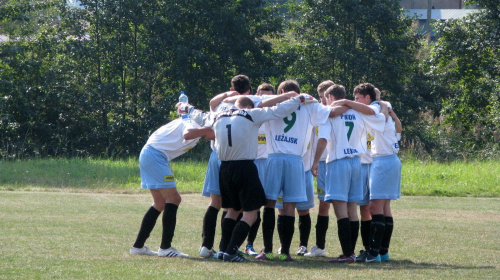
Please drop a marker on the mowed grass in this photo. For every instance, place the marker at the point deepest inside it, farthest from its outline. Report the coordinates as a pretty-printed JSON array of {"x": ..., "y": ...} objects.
[
  {"x": 476, "y": 178},
  {"x": 61, "y": 235}
]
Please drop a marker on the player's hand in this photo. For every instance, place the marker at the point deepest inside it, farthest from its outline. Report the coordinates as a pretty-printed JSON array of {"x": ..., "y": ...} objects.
[
  {"x": 314, "y": 169},
  {"x": 306, "y": 98},
  {"x": 184, "y": 108}
]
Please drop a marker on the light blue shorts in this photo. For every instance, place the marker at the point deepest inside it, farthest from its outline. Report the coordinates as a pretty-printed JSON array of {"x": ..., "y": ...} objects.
[
  {"x": 304, "y": 205},
  {"x": 155, "y": 170},
  {"x": 365, "y": 181},
  {"x": 211, "y": 184},
  {"x": 285, "y": 174},
  {"x": 320, "y": 180},
  {"x": 343, "y": 180},
  {"x": 385, "y": 178},
  {"x": 261, "y": 168}
]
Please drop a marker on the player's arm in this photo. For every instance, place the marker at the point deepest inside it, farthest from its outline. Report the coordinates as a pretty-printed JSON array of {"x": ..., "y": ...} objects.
[
  {"x": 317, "y": 156},
  {"x": 216, "y": 100},
  {"x": 384, "y": 109},
  {"x": 269, "y": 102},
  {"x": 399, "y": 126},
  {"x": 193, "y": 133},
  {"x": 337, "y": 111},
  {"x": 360, "y": 107}
]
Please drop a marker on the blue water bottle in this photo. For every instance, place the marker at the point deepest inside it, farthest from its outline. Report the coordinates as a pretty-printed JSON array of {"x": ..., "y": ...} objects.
[{"x": 184, "y": 99}]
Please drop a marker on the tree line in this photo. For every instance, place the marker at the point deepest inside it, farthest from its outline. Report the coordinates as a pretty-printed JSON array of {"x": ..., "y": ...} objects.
[{"x": 96, "y": 80}]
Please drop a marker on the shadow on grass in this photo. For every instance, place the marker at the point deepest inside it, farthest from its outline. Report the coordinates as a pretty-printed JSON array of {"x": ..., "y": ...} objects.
[{"x": 323, "y": 263}]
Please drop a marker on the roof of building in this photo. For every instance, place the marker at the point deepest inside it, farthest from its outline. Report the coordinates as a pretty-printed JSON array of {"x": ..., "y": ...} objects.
[{"x": 441, "y": 14}]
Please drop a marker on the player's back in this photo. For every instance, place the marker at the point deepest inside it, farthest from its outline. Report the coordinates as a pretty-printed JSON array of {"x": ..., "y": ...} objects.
[{"x": 292, "y": 134}]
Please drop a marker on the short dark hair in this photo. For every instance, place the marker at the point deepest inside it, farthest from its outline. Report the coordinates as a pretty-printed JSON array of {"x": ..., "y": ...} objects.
[
  {"x": 244, "y": 102},
  {"x": 289, "y": 85},
  {"x": 366, "y": 89},
  {"x": 323, "y": 86},
  {"x": 241, "y": 83},
  {"x": 266, "y": 86},
  {"x": 337, "y": 91}
]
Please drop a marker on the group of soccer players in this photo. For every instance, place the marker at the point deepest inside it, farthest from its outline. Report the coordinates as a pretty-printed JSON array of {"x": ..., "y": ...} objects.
[{"x": 266, "y": 150}]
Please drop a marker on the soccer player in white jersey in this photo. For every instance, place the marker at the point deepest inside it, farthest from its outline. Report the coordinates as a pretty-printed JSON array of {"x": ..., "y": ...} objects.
[
  {"x": 287, "y": 140},
  {"x": 241, "y": 189},
  {"x": 240, "y": 85},
  {"x": 165, "y": 144},
  {"x": 364, "y": 203},
  {"x": 346, "y": 136},
  {"x": 319, "y": 250},
  {"x": 385, "y": 176}
]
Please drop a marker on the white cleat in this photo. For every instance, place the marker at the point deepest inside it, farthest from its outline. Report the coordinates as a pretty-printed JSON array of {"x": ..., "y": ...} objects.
[
  {"x": 171, "y": 253},
  {"x": 142, "y": 251},
  {"x": 316, "y": 252}
]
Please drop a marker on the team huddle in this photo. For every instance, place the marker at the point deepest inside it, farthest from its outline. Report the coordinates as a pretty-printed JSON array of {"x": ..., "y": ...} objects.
[{"x": 266, "y": 149}]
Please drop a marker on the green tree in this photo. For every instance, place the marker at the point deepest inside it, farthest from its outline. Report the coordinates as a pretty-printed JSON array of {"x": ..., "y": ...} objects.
[
  {"x": 353, "y": 41},
  {"x": 465, "y": 60}
]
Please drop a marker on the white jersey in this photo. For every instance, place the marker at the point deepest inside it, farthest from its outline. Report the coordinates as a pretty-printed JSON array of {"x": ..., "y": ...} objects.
[
  {"x": 169, "y": 138},
  {"x": 385, "y": 142},
  {"x": 366, "y": 158},
  {"x": 346, "y": 134},
  {"x": 236, "y": 130},
  {"x": 292, "y": 134},
  {"x": 308, "y": 157},
  {"x": 261, "y": 143}
]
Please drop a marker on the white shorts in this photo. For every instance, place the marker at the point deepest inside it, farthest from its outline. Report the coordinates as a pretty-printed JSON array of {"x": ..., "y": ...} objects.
[
  {"x": 211, "y": 183},
  {"x": 304, "y": 205},
  {"x": 385, "y": 177},
  {"x": 365, "y": 181},
  {"x": 155, "y": 170},
  {"x": 320, "y": 180},
  {"x": 285, "y": 175},
  {"x": 343, "y": 180}
]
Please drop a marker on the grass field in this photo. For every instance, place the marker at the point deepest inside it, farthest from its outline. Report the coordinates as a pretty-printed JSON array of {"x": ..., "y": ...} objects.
[
  {"x": 477, "y": 178},
  {"x": 62, "y": 235},
  {"x": 77, "y": 218}
]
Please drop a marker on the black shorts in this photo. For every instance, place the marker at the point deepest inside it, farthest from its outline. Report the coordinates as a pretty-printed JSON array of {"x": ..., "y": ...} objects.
[{"x": 240, "y": 186}]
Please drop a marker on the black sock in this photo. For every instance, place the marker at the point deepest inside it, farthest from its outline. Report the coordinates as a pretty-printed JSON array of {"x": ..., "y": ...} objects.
[
  {"x": 376, "y": 234},
  {"x": 238, "y": 236},
  {"x": 239, "y": 217},
  {"x": 288, "y": 229},
  {"x": 209, "y": 225},
  {"x": 268, "y": 224},
  {"x": 169, "y": 220},
  {"x": 365, "y": 234},
  {"x": 227, "y": 231},
  {"x": 321, "y": 228},
  {"x": 354, "y": 234},
  {"x": 344, "y": 232},
  {"x": 304, "y": 229},
  {"x": 389, "y": 226},
  {"x": 147, "y": 225},
  {"x": 252, "y": 234},
  {"x": 280, "y": 224},
  {"x": 224, "y": 213}
]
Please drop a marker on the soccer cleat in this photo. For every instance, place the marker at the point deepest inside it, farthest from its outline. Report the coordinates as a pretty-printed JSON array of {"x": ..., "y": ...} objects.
[
  {"x": 385, "y": 257},
  {"x": 286, "y": 258},
  {"x": 344, "y": 259},
  {"x": 362, "y": 256},
  {"x": 234, "y": 258},
  {"x": 302, "y": 250},
  {"x": 171, "y": 253},
  {"x": 220, "y": 255},
  {"x": 142, "y": 251},
  {"x": 207, "y": 253},
  {"x": 265, "y": 256},
  {"x": 371, "y": 259},
  {"x": 249, "y": 250},
  {"x": 316, "y": 252}
]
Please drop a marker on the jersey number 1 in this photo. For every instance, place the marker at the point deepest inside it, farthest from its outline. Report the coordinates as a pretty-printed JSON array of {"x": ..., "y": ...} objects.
[{"x": 229, "y": 140}]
